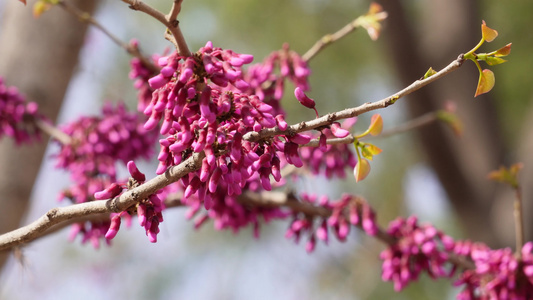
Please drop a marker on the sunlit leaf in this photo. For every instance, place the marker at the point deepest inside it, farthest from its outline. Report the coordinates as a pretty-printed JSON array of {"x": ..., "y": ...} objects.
[
  {"x": 486, "y": 82},
  {"x": 488, "y": 33},
  {"x": 370, "y": 21},
  {"x": 361, "y": 170},
  {"x": 503, "y": 51},
  {"x": 373, "y": 149},
  {"x": 508, "y": 176},
  {"x": 376, "y": 125},
  {"x": 369, "y": 150}
]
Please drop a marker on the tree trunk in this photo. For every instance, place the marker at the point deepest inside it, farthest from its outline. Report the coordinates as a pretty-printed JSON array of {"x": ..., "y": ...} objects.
[{"x": 38, "y": 56}]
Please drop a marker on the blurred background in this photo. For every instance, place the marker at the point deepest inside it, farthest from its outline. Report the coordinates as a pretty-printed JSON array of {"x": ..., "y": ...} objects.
[{"x": 71, "y": 70}]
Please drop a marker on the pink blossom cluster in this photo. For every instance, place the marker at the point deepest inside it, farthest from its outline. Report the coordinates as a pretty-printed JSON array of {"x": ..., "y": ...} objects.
[
  {"x": 208, "y": 103},
  {"x": 331, "y": 160},
  {"x": 418, "y": 248},
  {"x": 141, "y": 74},
  {"x": 97, "y": 144},
  {"x": 346, "y": 212},
  {"x": 498, "y": 274},
  {"x": 231, "y": 213},
  {"x": 267, "y": 79},
  {"x": 16, "y": 116},
  {"x": 204, "y": 106},
  {"x": 148, "y": 210}
]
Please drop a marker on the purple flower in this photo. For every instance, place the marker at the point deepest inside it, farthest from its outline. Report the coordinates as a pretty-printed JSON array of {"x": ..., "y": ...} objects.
[
  {"x": 418, "y": 248},
  {"x": 17, "y": 116}
]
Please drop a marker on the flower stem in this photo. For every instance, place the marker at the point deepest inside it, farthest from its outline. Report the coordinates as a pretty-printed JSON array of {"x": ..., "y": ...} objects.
[{"x": 519, "y": 223}]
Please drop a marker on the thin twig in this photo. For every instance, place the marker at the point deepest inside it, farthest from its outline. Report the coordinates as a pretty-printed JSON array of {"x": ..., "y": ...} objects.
[
  {"x": 355, "y": 111},
  {"x": 328, "y": 39},
  {"x": 52, "y": 131},
  {"x": 407, "y": 126},
  {"x": 519, "y": 223},
  {"x": 173, "y": 25},
  {"x": 86, "y": 17},
  {"x": 174, "y": 11}
]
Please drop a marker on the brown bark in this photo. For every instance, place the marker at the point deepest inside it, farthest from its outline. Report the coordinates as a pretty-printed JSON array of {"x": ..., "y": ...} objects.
[
  {"x": 452, "y": 27},
  {"x": 38, "y": 56}
]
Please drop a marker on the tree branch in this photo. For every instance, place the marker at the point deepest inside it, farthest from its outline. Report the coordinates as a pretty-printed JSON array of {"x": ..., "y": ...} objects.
[
  {"x": 52, "y": 131},
  {"x": 407, "y": 126},
  {"x": 278, "y": 199},
  {"x": 171, "y": 24},
  {"x": 355, "y": 111},
  {"x": 329, "y": 39},
  {"x": 123, "y": 202}
]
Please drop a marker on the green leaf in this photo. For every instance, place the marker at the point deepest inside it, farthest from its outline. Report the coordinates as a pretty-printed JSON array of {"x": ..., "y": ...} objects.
[
  {"x": 492, "y": 61},
  {"x": 429, "y": 73},
  {"x": 488, "y": 33},
  {"x": 485, "y": 83}
]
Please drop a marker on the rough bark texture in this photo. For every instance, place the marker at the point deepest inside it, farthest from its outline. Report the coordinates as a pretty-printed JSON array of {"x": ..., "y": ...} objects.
[
  {"x": 38, "y": 56},
  {"x": 452, "y": 27}
]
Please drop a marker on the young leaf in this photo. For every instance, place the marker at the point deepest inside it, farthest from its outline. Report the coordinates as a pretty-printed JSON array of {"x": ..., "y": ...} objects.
[
  {"x": 488, "y": 33},
  {"x": 508, "y": 176},
  {"x": 429, "y": 73},
  {"x": 485, "y": 83},
  {"x": 368, "y": 151},
  {"x": 361, "y": 170},
  {"x": 370, "y": 21},
  {"x": 40, "y": 7},
  {"x": 376, "y": 125},
  {"x": 492, "y": 61},
  {"x": 503, "y": 51}
]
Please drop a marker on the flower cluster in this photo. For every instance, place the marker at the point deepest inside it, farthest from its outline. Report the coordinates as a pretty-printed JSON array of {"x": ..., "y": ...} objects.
[
  {"x": 16, "y": 116},
  {"x": 141, "y": 74},
  {"x": 498, "y": 273},
  {"x": 346, "y": 212},
  {"x": 203, "y": 102},
  {"x": 331, "y": 160},
  {"x": 418, "y": 248},
  {"x": 148, "y": 210},
  {"x": 207, "y": 103},
  {"x": 267, "y": 79},
  {"x": 97, "y": 144}
]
